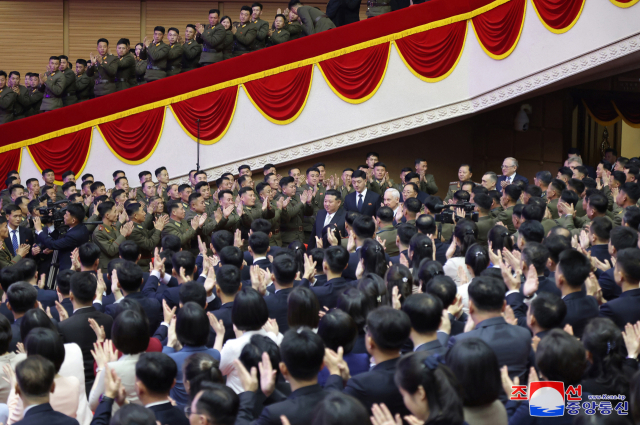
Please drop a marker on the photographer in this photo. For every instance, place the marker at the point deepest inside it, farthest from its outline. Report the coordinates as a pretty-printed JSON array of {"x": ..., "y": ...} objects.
[{"x": 75, "y": 236}]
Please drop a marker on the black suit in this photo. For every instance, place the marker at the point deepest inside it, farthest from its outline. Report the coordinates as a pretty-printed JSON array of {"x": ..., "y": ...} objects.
[
  {"x": 337, "y": 222},
  {"x": 329, "y": 292},
  {"x": 151, "y": 306},
  {"x": 370, "y": 203},
  {"x": 624, "y": 309},
  {"x": 47, "y": 298},
  {"x": 26, "y": 236},
  {"x": 515, "y": 179},
  {"x": 601, "y": 252},
  {"x": 433, "y": 347},
  {"x": 395, "y": 259},
  {"x": 66, "y": 303},
  {"x": 378, "y": 386},
  {"x": 167, "y": 413},
  {"x": 277, "y": 306},
  {"x": 77, "y": 329},
  {"x": 298, "y": 407},
  {"x": 75, "y": 237},
  {"x": 545, "y": 285},
  {"x": 44, "y": 414},
  {"x": 610, "y": 289},
  {"x": 343, "y": 12},
  {"x": 512, "y": 344},
  {"x": 224, "y": 314},
  {"x": 263, "y": 263},
  {"x": 352, "y": 266},
  {"x": 4, "y": 310},
  {"x": 581, "y": 308},
  {"x": 15, "y": 338}
]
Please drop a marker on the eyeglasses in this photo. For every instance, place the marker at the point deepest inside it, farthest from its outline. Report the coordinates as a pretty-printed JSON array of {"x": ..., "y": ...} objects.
[{"x": 187, "y": 411}]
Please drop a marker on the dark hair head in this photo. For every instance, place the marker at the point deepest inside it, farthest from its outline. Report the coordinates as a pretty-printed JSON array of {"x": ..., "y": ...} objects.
[
  {"x": 22, "y": 296},
  {"x": 198, "y": 369},
  {"x": 487, "y": 294},
  {"x": 303, "y": 308},
  {"x": 83, "y": 286},
  {"x": 575, "y": 267},
  {"x": 372, "y": 254},
  {"x": 302, "y": 351},
  {"x": 631, "y": 216},
  {"x": 364, "y": 227},
  {"x": 193, "y": 292},
  {"x": 598, "y": 202},
  {"x": 228, "y": 279},
  {"x": 531, "y": 231},
  {"x": 400, "y": 276},
  {"x": 389, "y": 328},
  {"x": 442, "y": 390},
  {"x": 284, "y": 268},
  {"x": 35, "y": 318},
  {"x": 536, "y": 255},
  {"x": 47, "y": 343},
  {"x": 249, "y": 311},
  {"x": 375, "y": 289},
  {"x": 338, "y": 329},
  {"x": 472, "y": 360},
  {"x": 556, "y": 245},
  {"x": 466, "y": 231},
  {"x": 561, "y": 357},
  {"x": 133, "y": 414},
  {"x": 251, "y": 355},
  {"x": 337, "y": 258},
  {"x": 185, "y": 260},
  {"x": 354, "y": 302},
  {"x": 259, "y": 243},
  {"x": 89, "y": 253},
  {"x": 231, "y": 255},
  {"x": 130, "y": 276},
  {"x": 426, "y": 224},
  {"x": 622, "y": 237},
  {"x": 405, "y": 232},
  {"x": 130, "y": 332},
  {"x": 513, "y": 192},
  {"x": 628, "y": 263},
  {"x": 601, "y": 227},
  {"x": 6, "y": 334},
  {"x": 35, "y": 376},
  {"x": 27, "y": 268},
  {"x": 548, "y": 309},
  {"x": 260, "y": 225},
  {"x": 218, "y": 402},
  {"x": 632, "y": 190},
  {"x": 477, "y": 258},
  {"x": 192, "y": 325},
  {"x": 338, "y": 409},
  {"x": 532, "y": 212},
  {"x": 157, "y": 371},
  {"x": 424, "y": 312}
]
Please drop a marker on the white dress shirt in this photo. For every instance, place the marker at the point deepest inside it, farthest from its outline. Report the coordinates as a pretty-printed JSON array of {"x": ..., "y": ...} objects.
[{"x": 329, "y": 217}]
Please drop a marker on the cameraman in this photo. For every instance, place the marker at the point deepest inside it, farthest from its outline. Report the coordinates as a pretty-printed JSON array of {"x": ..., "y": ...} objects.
[{"x": 77, "y": 235}]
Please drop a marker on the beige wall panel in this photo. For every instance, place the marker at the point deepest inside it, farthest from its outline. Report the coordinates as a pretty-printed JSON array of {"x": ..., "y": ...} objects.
[
  {"x": 22, "y": 49},
  {"x": 90, "y": 20},
  {"x": 177, "y": 14}
]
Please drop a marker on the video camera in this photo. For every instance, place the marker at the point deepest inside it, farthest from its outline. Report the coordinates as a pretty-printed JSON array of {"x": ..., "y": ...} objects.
[
  {"x": 53, "y": 213},
  {"x": 444, "y": 213}
]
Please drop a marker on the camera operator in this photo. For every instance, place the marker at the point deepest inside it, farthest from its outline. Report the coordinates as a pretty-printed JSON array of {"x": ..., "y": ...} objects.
[{"x": 77, "y": 235}]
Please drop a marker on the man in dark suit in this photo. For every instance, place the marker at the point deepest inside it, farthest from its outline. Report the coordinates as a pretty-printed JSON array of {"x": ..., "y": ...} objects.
[
  {"x": 77, "y": 328},
  {"x": 227, "y": 286},
  {"x": 571, "y": 273},
  {"x": 535, "y": 254},
  {"x": 283, "y": 273},
  {"x": 364, "y": 201},
  {"x": 129, "y": 277},
  {"x": 21, "y": 297},
  {"x": 34, "y": 378},
  {"x": 626, "y": 308},
  {"x": 155, "y": 376},
  {"x": 75, "y": 236},
  {"x": 258, "y": 248},
  {"x": 509, "y": 175},
  {"x": 599, "y": 234},
  {"x": 512, "y": 344},
  {"x": 28, "y": 272},
  {"x": 547, "y": 311},
  {"x": 621, "y": 237},
  {"x": 336, "y": 259},
  {"x": 363, "y": 228},
  {"x": 445, "y": 289},
  {"x": 343, "y": 12},
  {"x": 425, "y": 314},
  {"x": 332, "y": 215},
  {"x": 388, "y": 330},
  {"x": 302, "y": 354},
  {"x": 404, "y": 233},
  {"x": 63, "y": 288},
  {"x": 18, "y": 234}
]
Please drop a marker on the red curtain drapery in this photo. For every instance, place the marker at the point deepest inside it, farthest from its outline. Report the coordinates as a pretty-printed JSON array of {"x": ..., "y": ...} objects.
[
  {"x": 558, "y": 16},
  {"x": 134, "y": 138},
  {"x": 64, "y": 153},
  {"x": 498, "y": 30},
  {"x": 601, "y": 110},
  {"x": 280, "y": 98},
  {"x": 9, "y": 161},
  {"x": 355, "y": 77},
  {"x": 629, "y": 110},
  {"x": 432, "y": 55},
  {"x": 215, "y": 111}
]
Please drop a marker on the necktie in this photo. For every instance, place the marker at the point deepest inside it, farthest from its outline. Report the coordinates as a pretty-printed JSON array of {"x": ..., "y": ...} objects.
[
  {"x": 359, "y": 201},
  {"x": 14, "y": 241}
]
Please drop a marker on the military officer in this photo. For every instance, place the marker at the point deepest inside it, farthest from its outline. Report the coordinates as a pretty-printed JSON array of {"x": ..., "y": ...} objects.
[
  {"x": 22, "y": 100},
  {"x": 485, "y": 221},
  {"x": 51, "y": 84},
  {"x": 69, "y": 92},
  {"x": 244, "y": 34},
  {"x": 266, "y": 193},
  {"x": 293, "y": 27},
  {"x": 6, "y": 259},
  {"x": 191, "y": 50},
  {"x": 427, "y": 181},
  {"x": 313, "y": 20},
  {"x": 145, "y": 232},
  {"x": 294, "y": 209},
  {"x": 210, "y": 205},
  {"x": 317, "y": 199},
  {"x": 230, "y": 210},
  {"x": 278, "y": 35},
  {"x": 262, "y": 26},
  {"x": 378, "y": 7},
  {"x": 35, "y": 96},
  {"x": 214, "y": 19},
  {"x": 104, "y": 67},
  {"x": 212, "y": 38},
  {"x": 174, "y": 57},
  {"x": 144, "y": 176},
  {"x": 464, "y": 174},
  {"x": 346, "y": 187},
  {"x": 185, "y": 191},
  {"x": 251, "y": 210},
  {"x": 380, "y": 181},
  {"x": 156, "y": 55},
  {"x": 111, "y": 233},
  {"x": 83, "y": 82},
  {"x": 126, "y": 64},
  {"x": 212, "y": 223},
  {"x": 180, "y": 227}
]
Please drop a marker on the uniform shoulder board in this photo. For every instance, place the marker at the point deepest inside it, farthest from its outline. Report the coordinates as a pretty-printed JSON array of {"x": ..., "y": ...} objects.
[
  {"x": 177, "y": 224},
  {"x": 453, "y": 183},
  {"x": 138, "y": 226},
  {"x": 100, "y": 227}
]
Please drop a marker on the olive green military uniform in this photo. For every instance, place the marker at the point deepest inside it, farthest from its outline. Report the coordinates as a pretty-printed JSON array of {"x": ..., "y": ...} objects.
[
  {"x": 278, "y": 37},
  {"x": 147, "y": 238},
  {"x": 105, "y": 73},
  {"x": 191, "y": 52},
  {"x": 344, "y": 191},
  {"x": 580, "y": 212},
  {"x": 244, "y": 39},
  {"x": 380, "y": 188},
  {"x": 140, "y": 196},
  {"x": 453, "y": 188},
  {"x": 52, "y": 88},
  {"x": 35, "y": 100},
  {"x": 22, "y": 104},
  {"x": 156, "y": 56},
  {"x": 484, "y": 225},
  {"x": 378, "y": 7},
  {"x": 141, "y": 70},
  {"x": 505, "y": 218},
  {"x": 313, "y": 20},
  {"x": 228, "y": 45},
  {"x": 388, "y": 235},
  {"x": 553, "y": 208},
  {"x": 6, "y": 259},
  {"x": 428, "y": 185},
  {"x": 174, "y": 59},
  {"x": 262, "y": 31},
  {"x": 547, "y": 224},
  {"x": 253, "y": 213},
  {"x": 210, "y": 225},
  {"x": 210, "y": 207},
  {"x": 125, "y": 72},
  {"x": 276, "y": 236},
  {"x": 294, "y": 29},
  {"x": 69, "y": 94},
  {"x": 291, "y": 221},
  {"x": 213, "y": 43},
  {"x": 83, "y": 87},
  {"x": 317, "y": 202},
  {"x": 566, "y": 221},
  {"x": 108, "y": 239},
  {"x": 181, "y": 229}
]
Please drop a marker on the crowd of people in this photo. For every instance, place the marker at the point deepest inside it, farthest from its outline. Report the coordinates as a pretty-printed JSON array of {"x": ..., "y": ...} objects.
[
  {"x": 321, "y": 299},
  {"x": 167, "y": 53}
]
